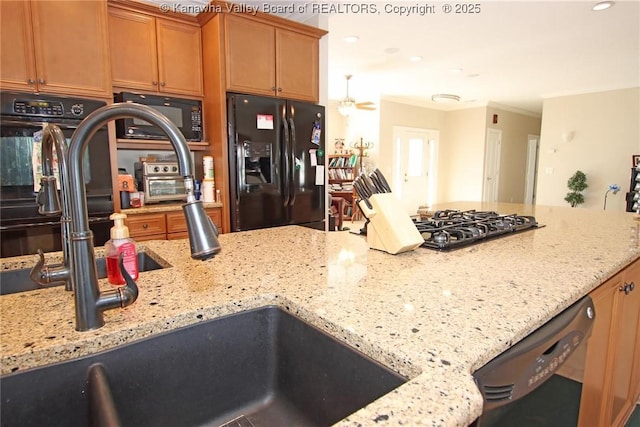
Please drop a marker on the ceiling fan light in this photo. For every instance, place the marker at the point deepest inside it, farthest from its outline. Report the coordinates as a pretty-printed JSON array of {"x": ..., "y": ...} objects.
[
  {"x": 445, "y": 98},
  {"x": 602, "y": 5},
  {"x": 347, "y": 107}
]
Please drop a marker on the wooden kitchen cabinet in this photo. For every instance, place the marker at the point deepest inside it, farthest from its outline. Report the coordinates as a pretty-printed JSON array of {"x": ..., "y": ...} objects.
[
  {"x": 266, "y": 60},
  {"x": 150, "y": 226},
  {"x": 167, "y": 225},
  {"x": 58, "y": 47},
  {"x": 177, "y": 223},
  {"x": 166, "y": 56},
  {"x": 612, "y": 368}
]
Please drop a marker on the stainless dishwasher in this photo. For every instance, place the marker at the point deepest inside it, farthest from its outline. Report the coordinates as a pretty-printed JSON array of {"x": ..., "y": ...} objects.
[{"x": 538, "y": 381}]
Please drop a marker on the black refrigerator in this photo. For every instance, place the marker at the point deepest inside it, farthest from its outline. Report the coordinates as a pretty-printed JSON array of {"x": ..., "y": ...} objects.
[{"x": 276, "y": 162}]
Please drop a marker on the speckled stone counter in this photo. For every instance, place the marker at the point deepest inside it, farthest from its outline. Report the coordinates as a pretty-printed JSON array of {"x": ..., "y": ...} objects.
[{"x": 432, "y": 316}]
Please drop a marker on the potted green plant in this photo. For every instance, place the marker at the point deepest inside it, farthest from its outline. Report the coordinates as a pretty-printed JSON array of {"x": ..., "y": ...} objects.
[{"x": 577, "y": 184}]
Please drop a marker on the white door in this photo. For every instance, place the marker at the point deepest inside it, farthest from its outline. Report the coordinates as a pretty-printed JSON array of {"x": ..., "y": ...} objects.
[
  {"x": 414, "y": 174},
  {"x": 492, "y": 165},
  {"x": 533, "y": 143}
]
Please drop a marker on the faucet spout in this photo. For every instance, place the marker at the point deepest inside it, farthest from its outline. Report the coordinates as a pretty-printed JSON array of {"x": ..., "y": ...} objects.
[
  {"x": 89, "y": 301},
  {"x": 49, "y": 204}
]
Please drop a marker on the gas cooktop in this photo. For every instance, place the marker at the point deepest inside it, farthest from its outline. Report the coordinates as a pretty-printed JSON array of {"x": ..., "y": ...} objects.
[{"x": 451, "y": 229}]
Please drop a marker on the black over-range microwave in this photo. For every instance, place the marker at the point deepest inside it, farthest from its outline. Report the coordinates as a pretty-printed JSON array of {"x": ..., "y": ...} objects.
[{"x": 186, "y": 114}]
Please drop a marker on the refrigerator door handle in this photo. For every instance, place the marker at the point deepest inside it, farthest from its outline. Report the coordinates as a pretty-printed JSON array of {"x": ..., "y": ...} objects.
[
  {"x": 286, "y": 162},
  {"x": 293, "y": 161},
  {"x": 240, "y": 182}
]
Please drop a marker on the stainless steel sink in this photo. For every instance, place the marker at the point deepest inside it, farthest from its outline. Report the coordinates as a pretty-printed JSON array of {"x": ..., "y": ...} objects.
[
  {"x": 12, "y": 281},
  {"x": 262, "y": 367}
]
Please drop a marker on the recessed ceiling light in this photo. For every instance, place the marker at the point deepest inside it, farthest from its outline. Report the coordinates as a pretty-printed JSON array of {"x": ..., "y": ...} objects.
[
  {"x": 602, "y": 5},
  {"x": 415, "y": 58},
  {"x": 392, "y": 50},
  {"x": 351, "y": 39},
  {"x": 456, "y": 70},
  {"x": 445, "y": 98}
]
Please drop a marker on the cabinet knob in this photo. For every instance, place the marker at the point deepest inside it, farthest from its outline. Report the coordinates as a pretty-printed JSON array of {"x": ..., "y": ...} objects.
[
  {"x": 155, "y": 83},
  {"x": 279, "y": 89},
  {"x": 162, "y": 84},
  {"x": 627, "y": 288},
  {"x": 145, "y": 226},
  {"x": 273, "y": 88},
  {"x": 42, "y": 81},
  {"x": 31, "y": 81}
]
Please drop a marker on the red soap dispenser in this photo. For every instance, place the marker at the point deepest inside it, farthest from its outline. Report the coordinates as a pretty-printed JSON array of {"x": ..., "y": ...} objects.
[{"x": 120, "y": 243}]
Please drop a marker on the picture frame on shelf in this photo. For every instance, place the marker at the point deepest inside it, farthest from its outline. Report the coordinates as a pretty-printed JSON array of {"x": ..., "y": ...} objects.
[{"x": 635, "y": 160}]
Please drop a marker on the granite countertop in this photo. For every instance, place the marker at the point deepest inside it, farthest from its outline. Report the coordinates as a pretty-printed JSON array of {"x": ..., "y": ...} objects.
[{"x": 432, "y": 316}]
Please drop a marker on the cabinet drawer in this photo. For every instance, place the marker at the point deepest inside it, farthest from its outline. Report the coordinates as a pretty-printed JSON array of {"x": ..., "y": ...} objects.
[
  {"x": 143, "y": 225},
  {"x": 176, "y": 222},
  {"x": 146, "y": 237},
  {"x": 179, "y": 235},
  {"x": 216, "y": 216}
]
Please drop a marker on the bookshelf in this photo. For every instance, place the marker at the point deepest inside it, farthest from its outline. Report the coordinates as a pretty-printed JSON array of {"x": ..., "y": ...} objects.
[{"x": 342, "y": 171}]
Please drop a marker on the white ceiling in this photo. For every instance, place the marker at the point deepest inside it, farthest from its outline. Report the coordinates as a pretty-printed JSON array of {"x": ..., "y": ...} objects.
[{"x": 513, "y": 53}]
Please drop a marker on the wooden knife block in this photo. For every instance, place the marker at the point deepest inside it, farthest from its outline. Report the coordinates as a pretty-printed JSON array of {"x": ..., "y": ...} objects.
[{"x": 390, "y": 228}]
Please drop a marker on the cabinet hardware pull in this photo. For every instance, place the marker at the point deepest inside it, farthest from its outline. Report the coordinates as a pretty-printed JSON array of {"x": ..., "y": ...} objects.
[
  {"x": 145, "y": 225},
  {"x": 162, "y": 84},
  {"x": 273, "y": 88},
  {"x": 279, "y": 89},
  {"x": 41, "y": 81},
  {"x": 627, "y": 288},
  {"x": 155, "y": 83},
  {"x": 31, "y": 81}
]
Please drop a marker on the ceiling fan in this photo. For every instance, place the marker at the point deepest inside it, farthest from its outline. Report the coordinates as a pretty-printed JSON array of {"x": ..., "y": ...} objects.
[{"x": 348, "y": 105}]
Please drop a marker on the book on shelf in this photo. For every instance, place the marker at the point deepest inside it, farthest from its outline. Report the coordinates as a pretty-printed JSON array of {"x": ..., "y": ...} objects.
[
  {"x": 340, "y": 174},
  {"x": 343, "y": 161},
  {"x": 344, "y": 187}
]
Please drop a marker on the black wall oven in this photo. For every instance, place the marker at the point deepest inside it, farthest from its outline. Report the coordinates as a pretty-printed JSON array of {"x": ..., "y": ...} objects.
[{"x": 22, "y": 116}]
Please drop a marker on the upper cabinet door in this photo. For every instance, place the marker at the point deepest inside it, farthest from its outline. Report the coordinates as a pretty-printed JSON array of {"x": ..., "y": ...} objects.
[
  {"x": 297, "y": 65},
  {"x": 55, "y": 47},
  {"x": 250, "y": 56},
  {"x": 153, "y": 54},
  {"x": 132, "y": 38},
  {"x": 17, "y": 63},
  {"x": 71, "y": 47},
  {"x": 179, "y": 57},
  {"x": 264, "y": 59}
]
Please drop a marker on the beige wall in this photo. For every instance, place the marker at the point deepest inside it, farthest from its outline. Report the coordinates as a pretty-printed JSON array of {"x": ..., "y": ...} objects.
[
  {"x": 461, "y": 155},
  {"x": 605, "y": 136},
  {"x": 396, "y": 114},
  {"x": 516, "y": 128},
  {"x": 461, "y": 144}
]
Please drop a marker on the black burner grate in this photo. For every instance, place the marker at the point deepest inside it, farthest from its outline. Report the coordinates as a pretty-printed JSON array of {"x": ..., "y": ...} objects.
[{"x": 451, "y": 229}]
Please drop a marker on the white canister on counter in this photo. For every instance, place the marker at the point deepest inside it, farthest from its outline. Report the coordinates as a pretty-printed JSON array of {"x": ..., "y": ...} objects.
[
  {"x": 207, "y": 163},
  {"x": 208, "y": 189}
]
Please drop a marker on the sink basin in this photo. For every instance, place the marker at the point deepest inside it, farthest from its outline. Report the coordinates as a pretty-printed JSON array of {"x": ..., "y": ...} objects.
[
  {"x": 262, "y": 367},
  {"x": 12, "y": 281}
]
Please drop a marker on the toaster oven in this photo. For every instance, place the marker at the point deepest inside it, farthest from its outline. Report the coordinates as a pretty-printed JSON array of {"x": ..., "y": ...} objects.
[{"x": 161, "y": 181}]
